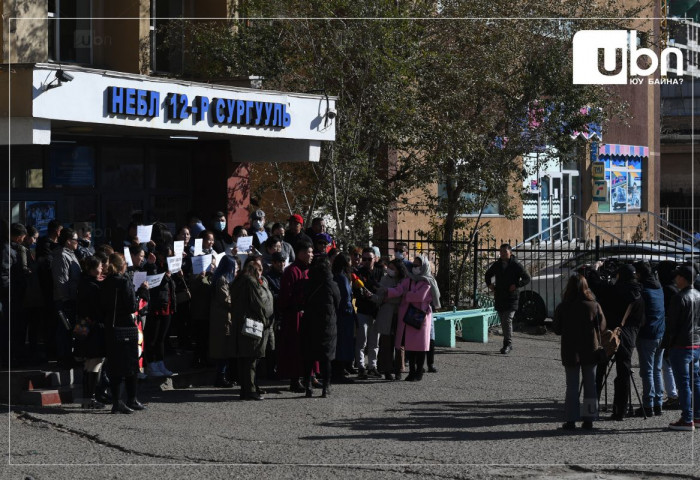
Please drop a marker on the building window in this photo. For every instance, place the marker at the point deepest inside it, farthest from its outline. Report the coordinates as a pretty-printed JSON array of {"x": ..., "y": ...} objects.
[
  {"x": 492, "y": 208},
  {"x": 623, "y": 176},
  {"x": 166, "y": 42},
  {"x": 70, "y": 31}
]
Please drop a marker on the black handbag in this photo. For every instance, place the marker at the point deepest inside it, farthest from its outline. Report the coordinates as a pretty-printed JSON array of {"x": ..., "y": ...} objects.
[
  {"x": 415, "y": 317},
  {"x": 124, "y": 334}
]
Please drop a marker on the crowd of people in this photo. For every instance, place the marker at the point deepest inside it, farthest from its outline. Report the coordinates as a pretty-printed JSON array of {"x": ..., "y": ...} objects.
[
  {"x": 291, "y": 306},
  {"x": 656, "y": 311}
]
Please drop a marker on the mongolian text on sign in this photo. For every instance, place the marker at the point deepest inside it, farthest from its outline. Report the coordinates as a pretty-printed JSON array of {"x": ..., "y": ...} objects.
[{"x": 220, "y": 111}]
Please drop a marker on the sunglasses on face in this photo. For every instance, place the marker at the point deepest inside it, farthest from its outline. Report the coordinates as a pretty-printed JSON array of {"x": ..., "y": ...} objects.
[
  {"x": 365, "y": 259},
  {"x": 356, "y": 256}
]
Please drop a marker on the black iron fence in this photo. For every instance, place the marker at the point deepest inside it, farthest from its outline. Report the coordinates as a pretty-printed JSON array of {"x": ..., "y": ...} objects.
[{"x": 460, "y": 265}]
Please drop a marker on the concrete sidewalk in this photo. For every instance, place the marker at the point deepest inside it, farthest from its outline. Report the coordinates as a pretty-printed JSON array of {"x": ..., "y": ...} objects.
[{"x": 483, "y": 415}]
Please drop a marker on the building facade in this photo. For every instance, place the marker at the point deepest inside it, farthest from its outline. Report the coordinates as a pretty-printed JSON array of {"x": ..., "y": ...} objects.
[{"x": 100, "y": 130}]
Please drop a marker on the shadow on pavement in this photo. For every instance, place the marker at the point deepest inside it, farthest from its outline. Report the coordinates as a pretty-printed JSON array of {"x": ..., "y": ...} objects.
[{"x": 461, "y": 421}]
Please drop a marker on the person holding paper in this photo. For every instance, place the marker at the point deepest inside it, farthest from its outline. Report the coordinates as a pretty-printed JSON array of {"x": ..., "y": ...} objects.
[
  {"x": 251, "y": 299},
  {"x": 182, "y": 318},
  {"x": 200, "y": 303},
  {"x": 161, "y": 307}
]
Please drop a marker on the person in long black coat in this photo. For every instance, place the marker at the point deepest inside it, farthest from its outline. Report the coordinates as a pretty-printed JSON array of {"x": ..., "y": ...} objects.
[
  {"x": 318, "y": 324},
  {"x": 118, "y": 305},
  {"x": 89, "y": 315}
]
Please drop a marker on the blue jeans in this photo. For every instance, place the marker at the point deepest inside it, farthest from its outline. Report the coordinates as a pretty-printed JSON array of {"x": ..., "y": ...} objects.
[
  {"x": 650, "y": 357},
  {"x": 682, "y": 360},
  {"x": 572, "y": 405}
]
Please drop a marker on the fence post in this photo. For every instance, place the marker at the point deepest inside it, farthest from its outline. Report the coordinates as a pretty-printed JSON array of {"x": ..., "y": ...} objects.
[
  {"x": 476, "y": 269},
  {"x": 597, "y": 248}
]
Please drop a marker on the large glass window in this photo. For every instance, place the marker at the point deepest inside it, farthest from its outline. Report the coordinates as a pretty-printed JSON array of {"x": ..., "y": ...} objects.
[
  {"x": 166, "y": 44},
  {"x": 491, "y": 208},
  {"x": 70, "y": 31},
  {"x": 623, "y": 176},
  {"x": 26, "y": 167}
]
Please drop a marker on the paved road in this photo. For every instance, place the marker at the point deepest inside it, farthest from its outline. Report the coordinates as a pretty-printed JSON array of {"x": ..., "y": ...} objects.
[{"x": 484, "y": 415}]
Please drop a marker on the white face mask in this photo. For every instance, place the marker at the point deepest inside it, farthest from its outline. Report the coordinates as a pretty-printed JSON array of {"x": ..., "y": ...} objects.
[
  {"x": 416, "y": 270},
  {"x": 391, "y": 272},
  {"x": 398, "y": 255},
  {"x": 220, "y": 226},
  {"x": 257, "y": 224}
]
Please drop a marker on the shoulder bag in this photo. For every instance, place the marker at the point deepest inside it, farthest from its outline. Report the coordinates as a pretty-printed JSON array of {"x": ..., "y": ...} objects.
[
  {"x": 252, "y": 328},
  {"x": 124, "y": 335},
  {"x": 610, "y": 339},
  {"x": 414, "y": 316}
]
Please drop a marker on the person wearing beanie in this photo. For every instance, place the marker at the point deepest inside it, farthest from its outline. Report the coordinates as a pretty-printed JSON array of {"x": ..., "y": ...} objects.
[{"x": 294, "y": 233}]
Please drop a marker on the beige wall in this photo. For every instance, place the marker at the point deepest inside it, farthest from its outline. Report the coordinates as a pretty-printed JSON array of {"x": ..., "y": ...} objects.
[
  {"x": 20, "y": 79},
  {"x": 27, "y": 40}
]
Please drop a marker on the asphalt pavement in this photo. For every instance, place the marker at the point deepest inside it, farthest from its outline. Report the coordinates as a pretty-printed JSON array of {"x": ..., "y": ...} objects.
[{"x": 483, "y": 415}]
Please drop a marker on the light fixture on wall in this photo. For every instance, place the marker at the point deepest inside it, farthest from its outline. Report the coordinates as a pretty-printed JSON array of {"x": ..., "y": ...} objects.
[{"x": 59, "y": 79}]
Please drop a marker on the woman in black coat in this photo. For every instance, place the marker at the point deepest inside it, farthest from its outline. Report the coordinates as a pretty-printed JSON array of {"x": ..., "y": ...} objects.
[
  {"x": 89, "y": 316},
  {"x": 318, "y": 325},
  {"x": 118, "y": 305}
]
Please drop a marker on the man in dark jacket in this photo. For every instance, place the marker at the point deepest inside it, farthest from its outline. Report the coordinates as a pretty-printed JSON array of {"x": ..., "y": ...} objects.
[
  {"x": 510, "y": 276},
  {"x": 649, "y": 341},
  {"x": 367, "y": 334},
  {"x": 684, "y": 343}
]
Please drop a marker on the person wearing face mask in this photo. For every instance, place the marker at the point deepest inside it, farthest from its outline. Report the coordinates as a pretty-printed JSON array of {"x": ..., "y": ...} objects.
[
  {"x": 222, "y": 239},
  {"x": 401, "y": 253},
  {"x": 510, "y": 276},
  {"x": 258, "y": 230},
  {"x": 419, "y": 290},
  {"x": 390, "y": 360}
]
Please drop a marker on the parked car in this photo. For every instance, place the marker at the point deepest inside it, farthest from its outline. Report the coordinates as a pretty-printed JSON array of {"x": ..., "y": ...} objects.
[{"x": 550, "y": 272}]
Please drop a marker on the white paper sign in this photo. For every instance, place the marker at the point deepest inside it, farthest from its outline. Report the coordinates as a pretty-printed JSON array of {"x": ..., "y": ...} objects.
[
  {"x": 144, "y": 233},
  {"x": 201, "y": 264},
  {"x": 139, "y": 278},
  {"x": 178, "y": 248},
  {"x": 154, "y": 280},
  {"x": 244, "y": 243},
  {"x": 174, "y": 264},
  {"x": 198, "y": 246},
  {"x": 127, "y": 257}
]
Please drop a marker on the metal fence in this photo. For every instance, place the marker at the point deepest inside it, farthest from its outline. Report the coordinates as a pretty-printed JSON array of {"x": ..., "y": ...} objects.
[
  {"x": 460, "y": 265},
  {"x": 686, "y": 218}
]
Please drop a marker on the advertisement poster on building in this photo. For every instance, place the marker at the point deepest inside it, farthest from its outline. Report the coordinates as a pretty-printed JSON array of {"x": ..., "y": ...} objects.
[{"x": 39, "y": 214}]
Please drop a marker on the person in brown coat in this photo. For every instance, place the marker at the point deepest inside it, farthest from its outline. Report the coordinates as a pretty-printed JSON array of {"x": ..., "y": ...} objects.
[{"x": 579, "y": 319}]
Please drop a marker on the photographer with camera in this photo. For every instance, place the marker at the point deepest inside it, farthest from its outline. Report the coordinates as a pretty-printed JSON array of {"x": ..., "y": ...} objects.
[{"x": 623, "y": 306}]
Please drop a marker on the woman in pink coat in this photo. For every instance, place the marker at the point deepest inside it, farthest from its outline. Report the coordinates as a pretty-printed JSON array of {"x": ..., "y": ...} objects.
[{"x": 419, "y": 290}]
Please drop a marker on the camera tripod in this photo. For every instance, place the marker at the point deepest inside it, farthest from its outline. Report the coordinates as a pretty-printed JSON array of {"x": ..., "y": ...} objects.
[{"x": 630, "y": 408}]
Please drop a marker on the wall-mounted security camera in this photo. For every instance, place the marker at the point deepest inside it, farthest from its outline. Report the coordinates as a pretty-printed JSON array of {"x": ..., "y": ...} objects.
[
  {"x": 331, "y": 113},
  {"x": 63, "y": 76}
]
